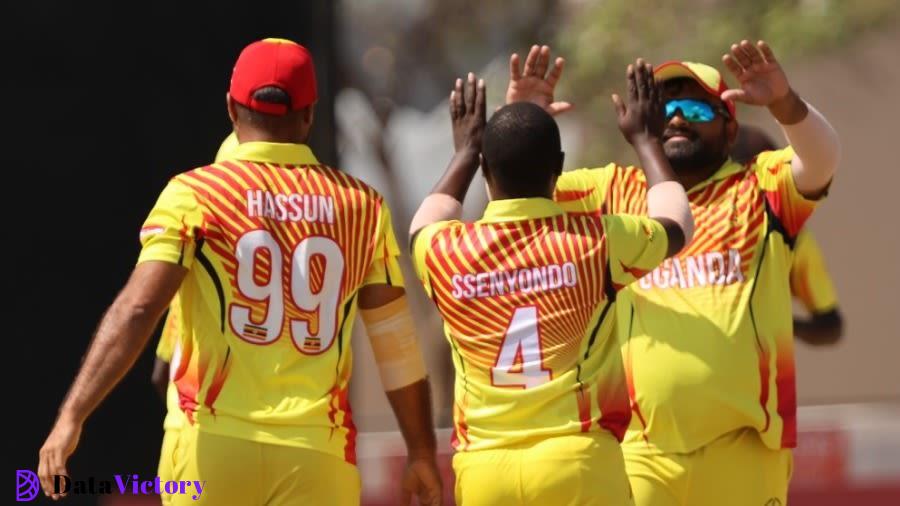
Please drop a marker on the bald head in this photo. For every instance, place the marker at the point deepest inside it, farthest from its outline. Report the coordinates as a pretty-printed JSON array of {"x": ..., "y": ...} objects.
[{"x": 522, "y": 152}]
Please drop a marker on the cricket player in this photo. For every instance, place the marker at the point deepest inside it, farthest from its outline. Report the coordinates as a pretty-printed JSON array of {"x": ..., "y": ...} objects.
[
  {"x": 811, "y": 283},
  {"x": 271, "y": 254},
  {"x": 527, "y": 296},
  {"x": 707, "y": 337}
]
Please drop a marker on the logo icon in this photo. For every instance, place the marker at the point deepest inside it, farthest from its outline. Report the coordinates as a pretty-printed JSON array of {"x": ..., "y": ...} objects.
[
  {"x": 773, "y": 502},
  {"x": 27, "y": 485}
]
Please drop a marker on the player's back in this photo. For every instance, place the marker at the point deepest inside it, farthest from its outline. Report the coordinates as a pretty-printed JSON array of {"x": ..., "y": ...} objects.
[
  {"x": 526, "y": 297},
  {"x": 281, "y": 245}
]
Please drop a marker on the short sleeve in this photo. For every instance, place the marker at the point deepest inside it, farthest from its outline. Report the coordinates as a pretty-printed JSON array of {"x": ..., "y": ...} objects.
[
  {"x": 170, "y": 330},
  {"x": 169, "y": 233},
  {"x": 636, "y": 246},
  {"x": 810, "y": 282},
  {"x": 385, "y": 267},
  {"x": 422, "y": 244},
  {"x": 790, "y": 207},
  {"x": 584, "y": 191}
]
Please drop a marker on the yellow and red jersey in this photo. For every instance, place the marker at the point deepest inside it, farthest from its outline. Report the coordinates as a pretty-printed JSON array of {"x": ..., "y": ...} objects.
[
  {"x": 707, "y": 337},
  {"x": 169, "y": 340},
  {"x": 810, "y": 282},
  {"x": 277, "y": 247},
  {"x": 526, "y": 294}
]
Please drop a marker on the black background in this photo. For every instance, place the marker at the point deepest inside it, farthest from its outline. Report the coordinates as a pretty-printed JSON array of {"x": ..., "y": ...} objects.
[{"x": 102, "y": 103}]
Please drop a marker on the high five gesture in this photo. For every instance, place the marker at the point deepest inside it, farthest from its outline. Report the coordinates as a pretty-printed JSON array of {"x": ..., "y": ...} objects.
[{"x": 535, "y": 84}]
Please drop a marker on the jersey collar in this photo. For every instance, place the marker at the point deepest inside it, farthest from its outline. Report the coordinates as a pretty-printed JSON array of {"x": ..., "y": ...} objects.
[
  {"x": 273, "y": 152},
  {"x": 520, "y": 209},
  {"x": 728, "y": 168}
]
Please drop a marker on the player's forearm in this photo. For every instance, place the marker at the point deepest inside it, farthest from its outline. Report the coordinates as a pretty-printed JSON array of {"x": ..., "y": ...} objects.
[
  {"x": 817, "y": 147},
  {"x": 120, "y": 338},
  {"x": 654, "y": 163},
  {"x": 412, "y": 408},
  {"x": 459, "y": 174},
  {"x": 389, "y": 324},
  {"x": 446, "y": 198},
  {"x": 666, "y": 199}
]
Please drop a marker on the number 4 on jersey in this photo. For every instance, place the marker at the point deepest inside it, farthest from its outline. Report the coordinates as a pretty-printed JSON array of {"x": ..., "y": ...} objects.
[{"x": 520, "y": 361}]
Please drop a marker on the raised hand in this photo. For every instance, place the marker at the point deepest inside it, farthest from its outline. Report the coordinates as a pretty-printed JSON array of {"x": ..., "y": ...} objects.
[
  {"x": 535, "y": 84},
  {"x": 642, "y": 116},
  {"x": 467, "y": 113},
  {"x": 762, "y": 80}
]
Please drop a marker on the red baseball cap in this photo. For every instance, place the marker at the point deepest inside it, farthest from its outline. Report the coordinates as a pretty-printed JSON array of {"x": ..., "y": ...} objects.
[
  {"x": 707, "y": 77},
  {"x": 280, "y": 63}
]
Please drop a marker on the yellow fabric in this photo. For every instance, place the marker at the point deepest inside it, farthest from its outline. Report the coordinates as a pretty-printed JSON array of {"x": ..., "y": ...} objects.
[
  {"x": 227, "y": 147},
  {"x": 238, "y": 471},
  {"x": 166, "y": 469},
  {"x": 576, "y": 470},
  {"x": 523, "y": 294},
  {"x": 737, "y": 469},
  {"x": 810, "y": 281},
  {"x": 393, "y": 338},
  {"x": 169, "y": 336},
  {"x": 709, "y": 76},
  {"x": 267, "y": 357},
  {"x": 700, "y": 362},
  {"x": 168, "y": 350}
]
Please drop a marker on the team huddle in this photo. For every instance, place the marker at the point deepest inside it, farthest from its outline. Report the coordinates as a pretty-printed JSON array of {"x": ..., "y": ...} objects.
[{"x": 620, "y": 335}]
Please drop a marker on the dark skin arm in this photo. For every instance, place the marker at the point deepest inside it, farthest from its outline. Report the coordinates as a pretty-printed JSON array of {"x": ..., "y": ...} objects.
[
  {"x": 120, "y": 338},
  {"x": 468, "y": 116},
  {"x": 412, "y": 408},
  {"x": 821, "y": 329},
  {"x": 160, "y": 377},
  {"x": 642, "y": 121}
]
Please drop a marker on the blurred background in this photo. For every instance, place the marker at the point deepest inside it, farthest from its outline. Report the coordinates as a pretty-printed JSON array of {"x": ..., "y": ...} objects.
[{"x": 104, "y": 103}]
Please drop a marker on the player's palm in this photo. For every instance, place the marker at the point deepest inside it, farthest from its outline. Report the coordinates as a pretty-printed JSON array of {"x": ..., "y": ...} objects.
[
  {"x": 530, "y": 89},
  {"x": 641, "y": 114},
  {"x": 535, "y": 84},
  {"x": 762, "y": 79},
  {"x": 422, "y": 479},
  {"x": 762, "y": 84},
  {"x": 467, "y": 113}
]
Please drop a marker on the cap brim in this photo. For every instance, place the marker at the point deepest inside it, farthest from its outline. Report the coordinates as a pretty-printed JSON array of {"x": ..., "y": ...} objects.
[{"x": 675, "y": 69}]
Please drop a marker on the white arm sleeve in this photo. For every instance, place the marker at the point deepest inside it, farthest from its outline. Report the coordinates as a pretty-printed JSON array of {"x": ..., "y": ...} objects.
[
  {"x": 817, "y": 152},
  {"x": 669, "y": 200},
  {"x": 436, "y": 207}
]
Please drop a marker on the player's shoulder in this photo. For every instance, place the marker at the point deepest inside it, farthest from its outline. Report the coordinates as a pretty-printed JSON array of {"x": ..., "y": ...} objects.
[
  {"x": 771, "y": 164},
  {"x": 191, "y": 176},
  {"x": 443, "y": 234},
  {"x": 580, "y": 223},
  {"x": 587, "y": 175},
  {"x": 436, "y": 240},
  {"x": 341, "y": 184}
]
